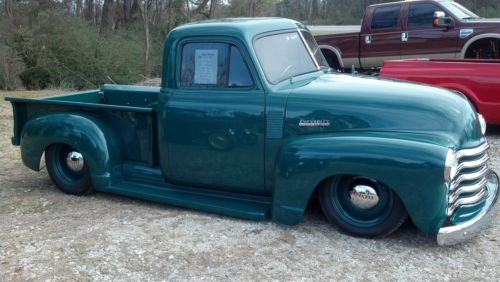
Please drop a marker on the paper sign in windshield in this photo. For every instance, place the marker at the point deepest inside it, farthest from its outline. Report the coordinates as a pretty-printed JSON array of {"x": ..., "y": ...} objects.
[{"x": 206, "y": 63}]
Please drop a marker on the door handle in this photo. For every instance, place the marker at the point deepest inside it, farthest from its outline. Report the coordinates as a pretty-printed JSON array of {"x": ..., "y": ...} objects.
[
  {"x": 404, "y": 36},
  {"x": 368, "y": 39}
]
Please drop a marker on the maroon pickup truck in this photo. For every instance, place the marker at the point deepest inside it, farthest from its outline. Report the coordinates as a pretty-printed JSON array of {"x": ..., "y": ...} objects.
[{"x": 413, "y": 29}]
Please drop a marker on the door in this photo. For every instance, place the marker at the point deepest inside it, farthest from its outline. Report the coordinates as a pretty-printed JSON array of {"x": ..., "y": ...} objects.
[
  {"x": 381, "y": 38},
  {"x": 422, "y": 40},
  {"x": 215, "y": 120}
]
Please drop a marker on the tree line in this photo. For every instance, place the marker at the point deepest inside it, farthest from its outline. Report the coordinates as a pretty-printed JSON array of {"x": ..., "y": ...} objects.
[
  {"x": 84, "y": 43},
  {"x": 331, "y": 12}
]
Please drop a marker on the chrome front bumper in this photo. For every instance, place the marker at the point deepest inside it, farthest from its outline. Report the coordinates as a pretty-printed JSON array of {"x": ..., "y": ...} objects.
[{"x": 462, "y": 232}]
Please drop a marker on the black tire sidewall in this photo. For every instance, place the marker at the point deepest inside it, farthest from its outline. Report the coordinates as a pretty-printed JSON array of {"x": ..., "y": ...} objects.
[
  {"x": 80, "y": 187},
  {"x": 396, "y": 217}
]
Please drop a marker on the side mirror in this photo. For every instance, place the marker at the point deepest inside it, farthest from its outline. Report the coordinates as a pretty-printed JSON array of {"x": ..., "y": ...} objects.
[{"x": 441, "y": 20}]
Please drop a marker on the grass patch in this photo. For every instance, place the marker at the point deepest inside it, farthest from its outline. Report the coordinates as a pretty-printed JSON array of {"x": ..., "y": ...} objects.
[{"x": 37, "y": 209}]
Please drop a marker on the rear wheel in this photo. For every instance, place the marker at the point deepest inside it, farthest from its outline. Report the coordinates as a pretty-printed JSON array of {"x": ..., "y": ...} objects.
[
  {"x": 361, "y": 206},
  {"x": 488, "y": 48},
  {"x": 331, "y": 59},
  {"x": 68, "y": 170}
]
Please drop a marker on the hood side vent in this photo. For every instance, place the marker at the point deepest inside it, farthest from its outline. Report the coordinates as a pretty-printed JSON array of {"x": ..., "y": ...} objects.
[{"x": 274, "y": 127}]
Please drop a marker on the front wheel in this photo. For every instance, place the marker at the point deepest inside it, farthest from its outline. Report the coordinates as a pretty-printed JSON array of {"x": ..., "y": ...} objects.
[
  {"x": 361, "y": 206},
  {"x": 68, "y": 170}
]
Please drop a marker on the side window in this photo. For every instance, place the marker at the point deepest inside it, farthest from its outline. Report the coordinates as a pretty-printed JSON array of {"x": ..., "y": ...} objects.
[
  {"x": 421, "y": 15},
  {"x": 386, "y": 17},
  {"x": 213, "y": 65},
  {"x": 239, "y": 76}
]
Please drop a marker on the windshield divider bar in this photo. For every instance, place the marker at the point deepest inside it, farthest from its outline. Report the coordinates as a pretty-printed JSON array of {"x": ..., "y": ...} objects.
[{"x": 308, "y": 49}]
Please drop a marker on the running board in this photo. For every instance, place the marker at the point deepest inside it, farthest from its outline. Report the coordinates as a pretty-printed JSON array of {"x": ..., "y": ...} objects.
[{"x": 230, "y": 204}]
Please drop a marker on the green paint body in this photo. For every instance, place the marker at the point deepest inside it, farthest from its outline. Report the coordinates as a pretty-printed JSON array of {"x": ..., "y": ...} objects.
[{"x": 242, "y": 152}]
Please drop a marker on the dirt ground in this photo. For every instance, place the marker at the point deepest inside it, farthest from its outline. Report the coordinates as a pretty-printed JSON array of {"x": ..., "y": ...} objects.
[{"x": 47, "y": 235}]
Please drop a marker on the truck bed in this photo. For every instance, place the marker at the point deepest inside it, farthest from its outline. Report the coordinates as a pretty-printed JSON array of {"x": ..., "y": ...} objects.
[
  {"x": 108, "y": 96},
  {"x": 477, "y": 79},
  {"x": 130, "y": 110}
]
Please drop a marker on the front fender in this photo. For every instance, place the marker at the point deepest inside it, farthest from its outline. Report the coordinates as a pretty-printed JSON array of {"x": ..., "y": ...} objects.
[
  {"x": 412, "y": 168},
  {"x": 92, "y": 137}
]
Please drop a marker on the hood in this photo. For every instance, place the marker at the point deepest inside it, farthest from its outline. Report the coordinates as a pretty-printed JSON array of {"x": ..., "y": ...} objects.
[{"x": 340, "y": 103}]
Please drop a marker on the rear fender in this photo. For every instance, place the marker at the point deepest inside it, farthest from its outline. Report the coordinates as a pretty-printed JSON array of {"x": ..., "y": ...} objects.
[
  {"x": 414, "y": 170},
  {"x": 337, "y": 53},
  {"x": 96, "y": 141},
  {"x": 477, "y": 38}
]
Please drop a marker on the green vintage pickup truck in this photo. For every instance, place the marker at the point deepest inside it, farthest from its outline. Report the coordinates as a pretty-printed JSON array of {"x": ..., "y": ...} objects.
[{"x": 250, "y": 122}]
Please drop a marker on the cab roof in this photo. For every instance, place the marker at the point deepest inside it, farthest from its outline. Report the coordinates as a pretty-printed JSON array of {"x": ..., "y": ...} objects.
[
  {"x": 403, "y": 1},
  {"x": 248, "y": 27}
]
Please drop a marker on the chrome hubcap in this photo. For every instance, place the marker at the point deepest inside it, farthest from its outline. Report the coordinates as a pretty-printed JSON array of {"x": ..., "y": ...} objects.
[
  {"x": 75, "y": 162},
  {"x": 363, "y": 197}
]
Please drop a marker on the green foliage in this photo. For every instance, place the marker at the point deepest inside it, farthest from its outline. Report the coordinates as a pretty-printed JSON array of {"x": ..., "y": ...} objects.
[
  {"x": 246, "y": 8},
  {"x": 10, "y": 65},
  {"x": 58, "y": 51},
  {"x": 35, "y": 78},
  {"x": 10, "y": 68},
  {"x": 63, "y": 50},
  {"x": 483, "y": 8},
  {"x": 489, "y": 12}
]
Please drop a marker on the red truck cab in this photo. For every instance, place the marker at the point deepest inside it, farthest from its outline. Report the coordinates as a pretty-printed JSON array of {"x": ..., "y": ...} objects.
[{"x": 406, "y": 29}]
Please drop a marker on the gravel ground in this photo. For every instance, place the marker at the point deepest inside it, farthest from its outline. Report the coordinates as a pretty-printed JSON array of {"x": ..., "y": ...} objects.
[{"x": 47, "y": 235}]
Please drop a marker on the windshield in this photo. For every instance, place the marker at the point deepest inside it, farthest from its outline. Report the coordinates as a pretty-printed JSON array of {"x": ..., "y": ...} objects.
[
  {"x": 285, "y": 55},
  {"x": 459, "y": 11}
]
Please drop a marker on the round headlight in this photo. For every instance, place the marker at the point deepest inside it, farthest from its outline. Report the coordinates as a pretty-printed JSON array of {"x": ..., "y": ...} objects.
[
  {"x": 450, "y": 166},
  {"x": 482, "y": 122}
]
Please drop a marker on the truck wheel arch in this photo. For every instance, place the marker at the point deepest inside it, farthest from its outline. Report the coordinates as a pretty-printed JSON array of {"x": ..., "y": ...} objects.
[
  {"x": 332, "y": 56},
  {"x": 476, "y": 39},
  {"x": 86, "y": 134},
  {"x": 306, "y": 164},
  {"x": 361, "y": 206}
]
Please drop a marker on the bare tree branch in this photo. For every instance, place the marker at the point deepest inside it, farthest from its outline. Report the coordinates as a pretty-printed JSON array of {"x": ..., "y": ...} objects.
[
  {"x": 107, "y": 18},
  {"x": 8, "y": 8},
  {"x": 200, "y": 7},
  {"x": 89, "y": 11},
  {"x": 213, "y": 7}
]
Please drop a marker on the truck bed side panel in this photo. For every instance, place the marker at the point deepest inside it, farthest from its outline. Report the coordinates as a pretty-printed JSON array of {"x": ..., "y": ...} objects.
[
  {"x": 135, "y": 126},
  {"x": 478, "y": 80}
]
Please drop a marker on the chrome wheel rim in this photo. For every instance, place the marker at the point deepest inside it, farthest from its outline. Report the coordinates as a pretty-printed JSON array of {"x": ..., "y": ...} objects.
[
  {"x": 363, "y": 197},
  {"x": 360, "y": 201},
  {"x": 75, "y": 161}
]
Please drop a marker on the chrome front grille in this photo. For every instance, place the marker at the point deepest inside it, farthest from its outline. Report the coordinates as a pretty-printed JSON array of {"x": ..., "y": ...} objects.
[{"x": 469, "y": 185}]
